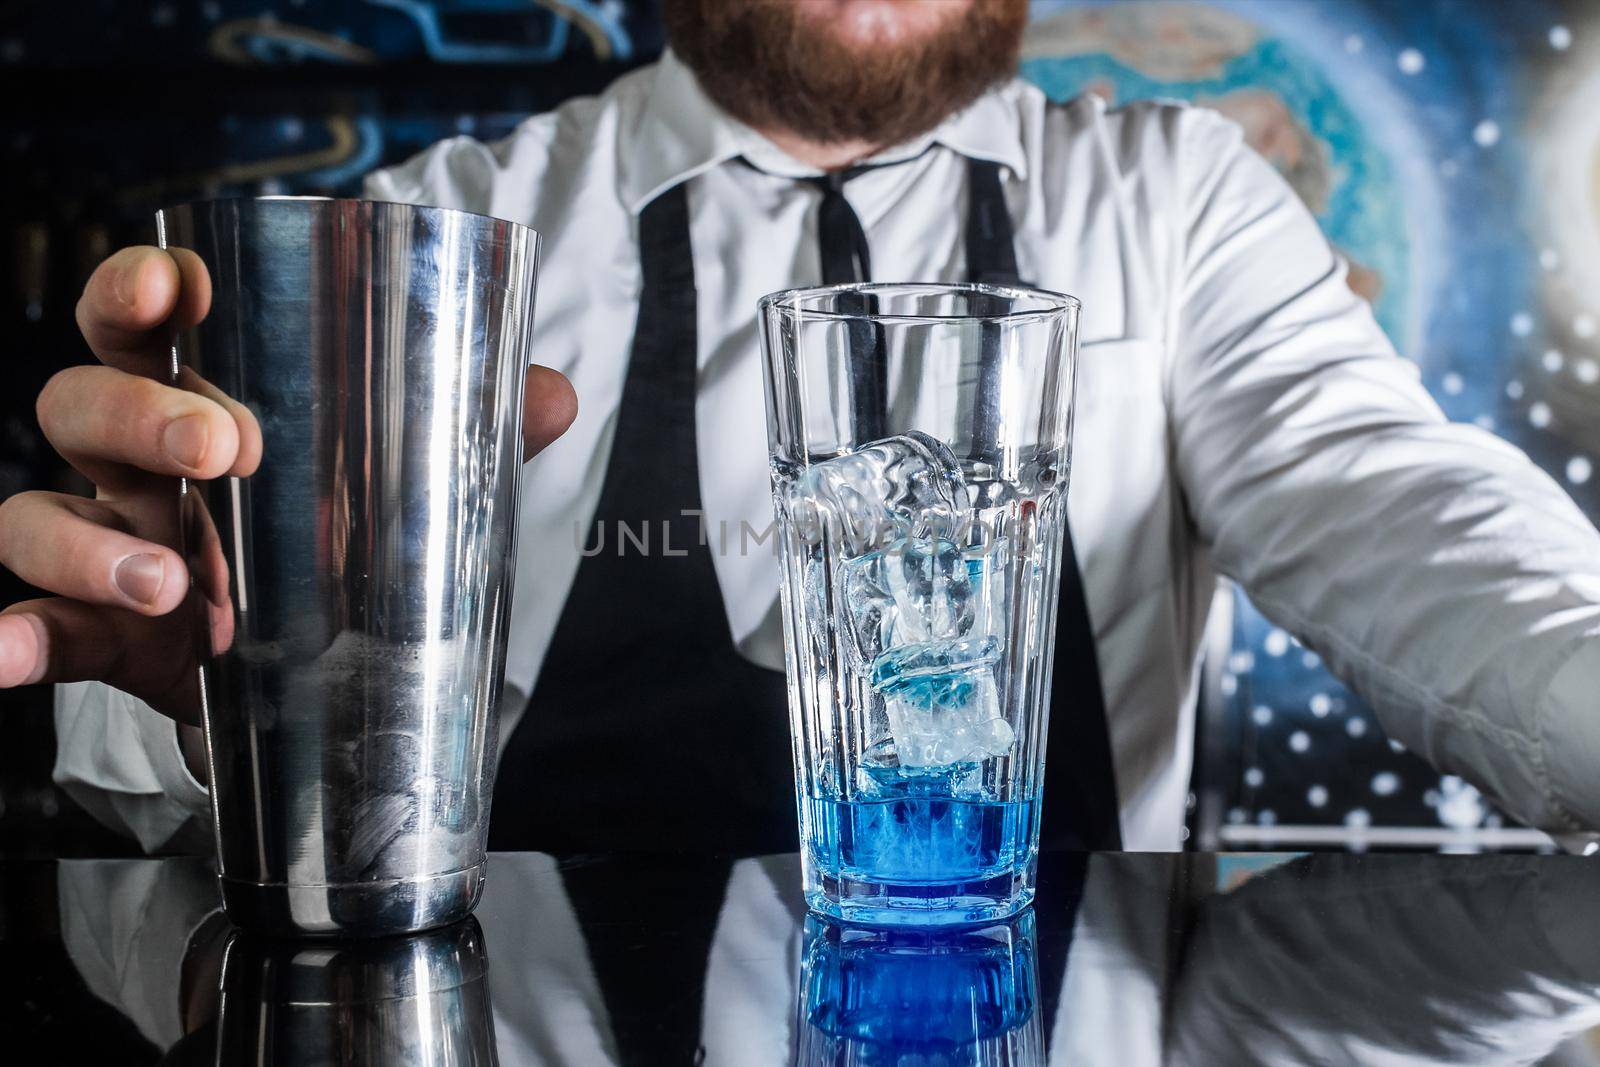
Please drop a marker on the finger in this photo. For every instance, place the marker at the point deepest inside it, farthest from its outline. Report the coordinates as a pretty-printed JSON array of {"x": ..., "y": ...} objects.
[
  {"x": 104, "y": 420},
  {"x": 71, "y": 547},
  {"x": 57, "y": 641},
  {"x": 549, "y": 405},
  {"x": 248, "y": 456},
  {"x": 133, "y": 301}
]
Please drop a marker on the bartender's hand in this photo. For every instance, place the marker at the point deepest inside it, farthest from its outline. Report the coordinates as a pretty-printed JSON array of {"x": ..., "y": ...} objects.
[{"x": 119, "y": 615}]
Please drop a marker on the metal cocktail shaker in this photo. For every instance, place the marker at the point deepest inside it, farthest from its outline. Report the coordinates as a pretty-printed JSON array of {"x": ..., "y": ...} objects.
[
  {"x": 350, "y": 695},
  {"x": 392, "y": 1002}
]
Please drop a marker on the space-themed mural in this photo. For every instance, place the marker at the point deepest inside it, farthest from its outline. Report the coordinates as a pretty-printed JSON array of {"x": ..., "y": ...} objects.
[
  {"x": 1449, "y": 148},
  {"x": 1451, "y": 152}
]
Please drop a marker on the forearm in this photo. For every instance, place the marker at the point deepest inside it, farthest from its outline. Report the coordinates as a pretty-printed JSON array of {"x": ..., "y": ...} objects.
[{"x": 1432, "y": 565}]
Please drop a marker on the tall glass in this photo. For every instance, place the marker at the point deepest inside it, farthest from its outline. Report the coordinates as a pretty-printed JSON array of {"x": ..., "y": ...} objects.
[{"x": 920, "y": 442}]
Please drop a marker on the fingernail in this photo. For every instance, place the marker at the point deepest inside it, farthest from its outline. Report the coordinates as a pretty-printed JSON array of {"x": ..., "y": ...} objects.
[
  {"x": 126, "y": 282},
  {"x": 139, "y": 578},
  {"x": 185, "y": 439}
]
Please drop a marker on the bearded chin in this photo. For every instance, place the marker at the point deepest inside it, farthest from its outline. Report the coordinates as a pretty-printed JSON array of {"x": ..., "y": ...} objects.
[{"x": 762, "y": 64}]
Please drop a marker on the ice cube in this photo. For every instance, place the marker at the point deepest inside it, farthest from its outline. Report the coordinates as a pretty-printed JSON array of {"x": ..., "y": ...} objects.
[
  {"x": 942, "y": 704},
  {"x": 910, "y": 485},
  {"x": 914, "y": 591},
  {"x": 944, "y": 670},
  {"x": 988, "y": 574}
]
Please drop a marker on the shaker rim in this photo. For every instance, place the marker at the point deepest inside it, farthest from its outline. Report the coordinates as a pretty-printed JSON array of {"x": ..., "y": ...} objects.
[{"x": 313, "y": 199}]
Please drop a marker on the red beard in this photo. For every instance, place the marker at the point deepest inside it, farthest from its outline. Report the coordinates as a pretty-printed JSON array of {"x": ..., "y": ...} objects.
[{"x": 763, "y": 64}]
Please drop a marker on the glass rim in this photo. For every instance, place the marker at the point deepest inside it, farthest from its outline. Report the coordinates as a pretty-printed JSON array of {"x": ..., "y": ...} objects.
[{"x": 790, "y": 301}]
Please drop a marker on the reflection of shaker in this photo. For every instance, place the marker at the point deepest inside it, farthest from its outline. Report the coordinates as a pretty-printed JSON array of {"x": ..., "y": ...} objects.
[
  {"x": 389, "y": 1002},
  {"x": 910, "y": 995},
  {"x": 350, "y": 694}
]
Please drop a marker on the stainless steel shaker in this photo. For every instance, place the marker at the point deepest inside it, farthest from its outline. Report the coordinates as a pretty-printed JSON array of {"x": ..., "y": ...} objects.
[
  {"x": 350, "y": 691},
  {"x": 395, "y": 1002}
]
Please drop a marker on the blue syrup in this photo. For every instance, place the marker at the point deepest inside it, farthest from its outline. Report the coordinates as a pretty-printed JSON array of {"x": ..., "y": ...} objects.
[{"x": 918, "y": 848}]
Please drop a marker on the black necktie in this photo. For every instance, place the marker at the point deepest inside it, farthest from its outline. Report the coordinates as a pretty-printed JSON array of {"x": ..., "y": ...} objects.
[{"x": 843, "y": 242}]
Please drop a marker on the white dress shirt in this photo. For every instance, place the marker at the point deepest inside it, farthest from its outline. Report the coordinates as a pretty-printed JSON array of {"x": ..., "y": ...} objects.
[{"x": 1239, "y": 411}]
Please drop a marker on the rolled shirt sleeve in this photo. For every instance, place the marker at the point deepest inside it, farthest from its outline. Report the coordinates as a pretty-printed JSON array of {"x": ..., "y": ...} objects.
[
  {"x": 1432, "y": 565},
  {"x": 120, "y": 759}
]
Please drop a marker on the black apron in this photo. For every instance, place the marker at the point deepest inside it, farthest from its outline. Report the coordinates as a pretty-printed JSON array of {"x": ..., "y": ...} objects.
[{"x": 647, "y": 729}]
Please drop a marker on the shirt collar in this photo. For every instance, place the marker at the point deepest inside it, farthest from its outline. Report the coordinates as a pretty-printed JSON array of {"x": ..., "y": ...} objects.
[{"x": 681, "y": 133}]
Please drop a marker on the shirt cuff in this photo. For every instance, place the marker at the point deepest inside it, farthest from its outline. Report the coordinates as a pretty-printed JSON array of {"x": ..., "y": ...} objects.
[
  {"x": 160, "y": 737},
  {"x": 1570, "y": 734}
]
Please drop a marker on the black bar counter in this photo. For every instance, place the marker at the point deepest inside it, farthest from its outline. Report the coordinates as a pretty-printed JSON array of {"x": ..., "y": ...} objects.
[{"x": 1125, "y": 959}]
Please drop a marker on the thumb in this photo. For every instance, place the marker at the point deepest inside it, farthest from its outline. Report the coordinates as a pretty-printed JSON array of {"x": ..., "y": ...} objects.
[{"x": 548, "y": 407}]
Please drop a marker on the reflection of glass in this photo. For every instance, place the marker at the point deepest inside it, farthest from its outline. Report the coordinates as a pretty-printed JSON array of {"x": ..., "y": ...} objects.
[
  {"x": 920, "y": 438},
  {"x": 395, "y": 1001},
  {"x": 919, "y": 996}
]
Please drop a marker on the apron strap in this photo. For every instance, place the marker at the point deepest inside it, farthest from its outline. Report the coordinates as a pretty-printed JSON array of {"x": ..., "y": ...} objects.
[{"x": 1080, "y": 786}]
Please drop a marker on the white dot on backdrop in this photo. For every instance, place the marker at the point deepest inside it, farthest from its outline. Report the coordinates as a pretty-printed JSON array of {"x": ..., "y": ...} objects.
[
  {"x": 1514, "y": 389},
  {"x": 1321, "y": 704},
  {"x": 1236, "y": 816},
  {"x": 1358, "y": 818},
  {"x": 1242, "y": 662},
  {"x": 1309, "y": 660},
  {"x": 1579, "y": 470},
  {"x": 1253, "y": 777},
  {"x": 1354, "y": 43},
  {"x": 1396, "y": 747},
  {"x": 1356, "y": 727},
  {"x": 1317, "y": 796},
  {"x": 1385, "y": 783},
  {"x": 1484, "y": 422},
  {"x": 1410, "y": 61},
  {"x": 1452, "y": 384},
  {"x": 1549, "y": 260},
  {"x": 1486, "y": 133},
  {"x": 1276, "y": 642},
  {"x": 1560, "y": 38},
  {"x": 1230, "y": 684},
  {"x": 1587, "y": 370},
  {"x": 1299, "y": 741},
  {"x": 1584, "y": 326},
  {"x": 1551, "y": 360},
  {"x": 1539, "y": 415},
  {"x": 1261, "y": 715},
  {"x": 1267, "y": 817},
  {"x": 1522, "y": 324}
]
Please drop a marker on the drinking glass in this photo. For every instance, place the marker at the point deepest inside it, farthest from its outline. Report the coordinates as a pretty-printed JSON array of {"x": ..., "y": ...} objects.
[
  {"x": 919, "y": 995},
  {"x": 920, "y": 445}
]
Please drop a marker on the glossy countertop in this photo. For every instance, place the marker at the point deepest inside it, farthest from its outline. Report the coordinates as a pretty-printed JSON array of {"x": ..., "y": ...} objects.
[{"x": 1125, "y": 959}]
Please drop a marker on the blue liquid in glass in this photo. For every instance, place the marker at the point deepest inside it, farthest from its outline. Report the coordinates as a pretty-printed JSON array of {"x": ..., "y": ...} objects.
[
  {"x": 918, "y": 847},
  {"x": 893, "y": 997}
]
